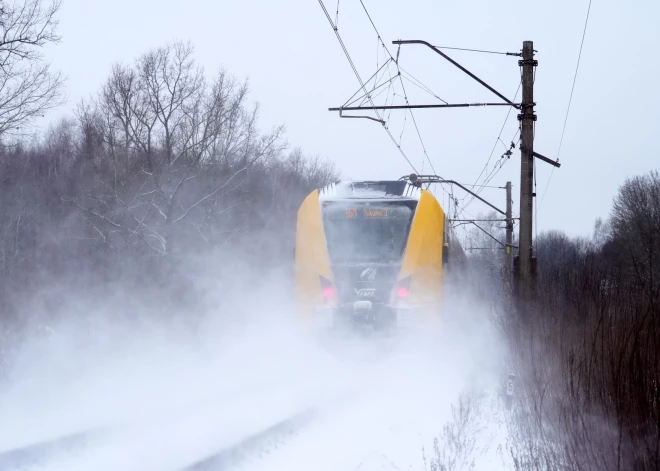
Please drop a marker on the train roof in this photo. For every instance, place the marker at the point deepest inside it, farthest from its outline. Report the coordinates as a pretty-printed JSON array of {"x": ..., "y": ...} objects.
[{"x": 386, "y": 189}]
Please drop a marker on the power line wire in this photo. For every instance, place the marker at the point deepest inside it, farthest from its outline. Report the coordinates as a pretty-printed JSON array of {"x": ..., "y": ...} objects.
[
  {"x": 490, "y": 176},
  {"x": 403, "y": 88},
  {"x": 504, "y": 158},
  {"x": 570, "y": 99},
  {"x": 412, "y": 115},
  {"x": 405, "y": 95},
  {"x": 499, "y": 164},
  {"x": 420, "y": 85},
  {"x": 350, "y": 61},
  {"x": 399, "y": 74},
  {"x": 375, "y": 75},
  {"x": 495, "y": 145},
  {"x": 485, "y": 186},
  {"x": 496, "y": 168},
  {"x": 502, "y": 162}
]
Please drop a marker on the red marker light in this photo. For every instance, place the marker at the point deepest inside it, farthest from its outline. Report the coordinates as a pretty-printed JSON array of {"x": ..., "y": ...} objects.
[
  {"x": 328, "y": 292},
  {"x": 402, "y": 292}
]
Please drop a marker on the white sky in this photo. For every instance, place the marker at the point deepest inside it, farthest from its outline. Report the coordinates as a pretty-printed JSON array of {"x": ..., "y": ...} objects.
[{"x": 297, "y": 70}]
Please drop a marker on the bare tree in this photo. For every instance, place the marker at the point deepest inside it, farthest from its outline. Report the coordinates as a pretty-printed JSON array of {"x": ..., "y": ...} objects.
[
  {"x": 164, "y": 163},
  {"x": 28, "y": 87},
  {"x": 636, "y": 227},
  {"x": 178, "y": 145},
  {"x": 589, "y": 359}
]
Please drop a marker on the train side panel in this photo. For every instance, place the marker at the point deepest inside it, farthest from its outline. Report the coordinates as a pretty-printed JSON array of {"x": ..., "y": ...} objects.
[
  {"x": 311, "y": 255},
  {"x": 423, "y": 256}
]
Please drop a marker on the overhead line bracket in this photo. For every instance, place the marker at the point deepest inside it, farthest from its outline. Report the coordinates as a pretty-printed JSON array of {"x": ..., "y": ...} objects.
[
  {"x": 419, "y": 41},
  {"x": 419, "y": 180},
  {"x": 544, "y": 158}
]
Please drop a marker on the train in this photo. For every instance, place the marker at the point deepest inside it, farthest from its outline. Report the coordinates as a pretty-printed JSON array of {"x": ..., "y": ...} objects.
[{"x": 372, "y": 255}]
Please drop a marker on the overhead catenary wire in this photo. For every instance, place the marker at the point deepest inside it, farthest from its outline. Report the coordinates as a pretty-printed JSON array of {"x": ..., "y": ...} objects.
[
  {"x": 498, "y": 166},
  {"x": 375, "y": 75},
  {"x": 570, "y": 99},
  {"x": 506, "y": 119},
  {"x": 500, "y": 163},
  {"x": 419, "y": 84},
  {"x": 357, "y": 75},
  {"x": 485, "y": 186},
  {"x": 405, "y": 95},
  {"x": 412, "y": 115},
  {"x": 504, "y": 158},
  {"x": 401, "y": 81},
  {"x": 364, "y": 97}
]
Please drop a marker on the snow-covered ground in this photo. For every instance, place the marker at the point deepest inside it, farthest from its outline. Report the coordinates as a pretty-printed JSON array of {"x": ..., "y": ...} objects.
[{"x": 164, "y": 400}]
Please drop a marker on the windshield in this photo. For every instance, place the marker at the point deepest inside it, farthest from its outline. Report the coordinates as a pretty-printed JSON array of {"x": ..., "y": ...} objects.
[{"x": 367, "y": 232}]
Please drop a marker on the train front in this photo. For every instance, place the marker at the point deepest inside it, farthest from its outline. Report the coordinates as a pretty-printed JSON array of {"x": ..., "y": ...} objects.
[
  {"x": 370, "y": 275},
  {"x": 366, "y": 240}
]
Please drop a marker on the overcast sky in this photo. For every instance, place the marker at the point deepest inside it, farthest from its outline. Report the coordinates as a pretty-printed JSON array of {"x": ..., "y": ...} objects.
[{"x": 297, "y": 70}]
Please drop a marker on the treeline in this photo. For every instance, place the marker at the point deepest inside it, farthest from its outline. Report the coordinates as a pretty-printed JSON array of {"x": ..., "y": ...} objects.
[
  {"x": 587, "y": 352},
  {"x": 162, "y": 165}
]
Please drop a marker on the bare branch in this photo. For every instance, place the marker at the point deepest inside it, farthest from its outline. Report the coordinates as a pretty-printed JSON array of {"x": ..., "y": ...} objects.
[{"x": 28, "y": 87}]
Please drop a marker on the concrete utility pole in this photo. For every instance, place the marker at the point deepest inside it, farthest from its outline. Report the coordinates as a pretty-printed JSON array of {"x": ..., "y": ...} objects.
[
  {"x": 508, "y": 254},
  {"x": 525, "y": 270}
]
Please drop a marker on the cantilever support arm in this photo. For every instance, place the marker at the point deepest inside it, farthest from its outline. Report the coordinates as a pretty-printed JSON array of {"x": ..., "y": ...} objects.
[
  {"x": 419, "y": 41},
  {"x": 421, "y": 179},
  {"x": 410, "y": 107},
  {"x": 475, "y": 195}
]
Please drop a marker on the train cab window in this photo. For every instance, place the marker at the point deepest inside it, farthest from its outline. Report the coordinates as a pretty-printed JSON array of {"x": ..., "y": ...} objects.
[{"x": 364, "y": 232}]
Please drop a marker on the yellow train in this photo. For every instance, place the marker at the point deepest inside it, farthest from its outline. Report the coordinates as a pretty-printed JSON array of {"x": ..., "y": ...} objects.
[{"x": 370, "y": 254}]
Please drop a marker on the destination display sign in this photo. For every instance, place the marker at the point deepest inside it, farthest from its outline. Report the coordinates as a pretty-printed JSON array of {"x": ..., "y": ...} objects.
[
  {"x": 353, "y": 213},
  {"x": 360, "y": 211}
]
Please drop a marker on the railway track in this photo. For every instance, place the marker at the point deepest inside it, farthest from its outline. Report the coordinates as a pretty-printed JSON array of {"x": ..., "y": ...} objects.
[
  {"x": 256, "y": 445},
  {"x": 39, "y": 453},
  {"x": 259, "y": 444},
  {"x": 75, "y": 449}
]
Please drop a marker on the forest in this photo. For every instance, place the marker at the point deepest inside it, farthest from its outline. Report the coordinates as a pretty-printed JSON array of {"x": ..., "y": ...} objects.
[
  {"x": 591, "y": 345},
  {"x": 161, "y": 166},
  {"x": 586, "y": 351}
]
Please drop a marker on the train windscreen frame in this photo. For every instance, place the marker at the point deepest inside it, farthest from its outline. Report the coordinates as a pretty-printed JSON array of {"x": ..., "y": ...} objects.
[{"x": 367, "y": 232}]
